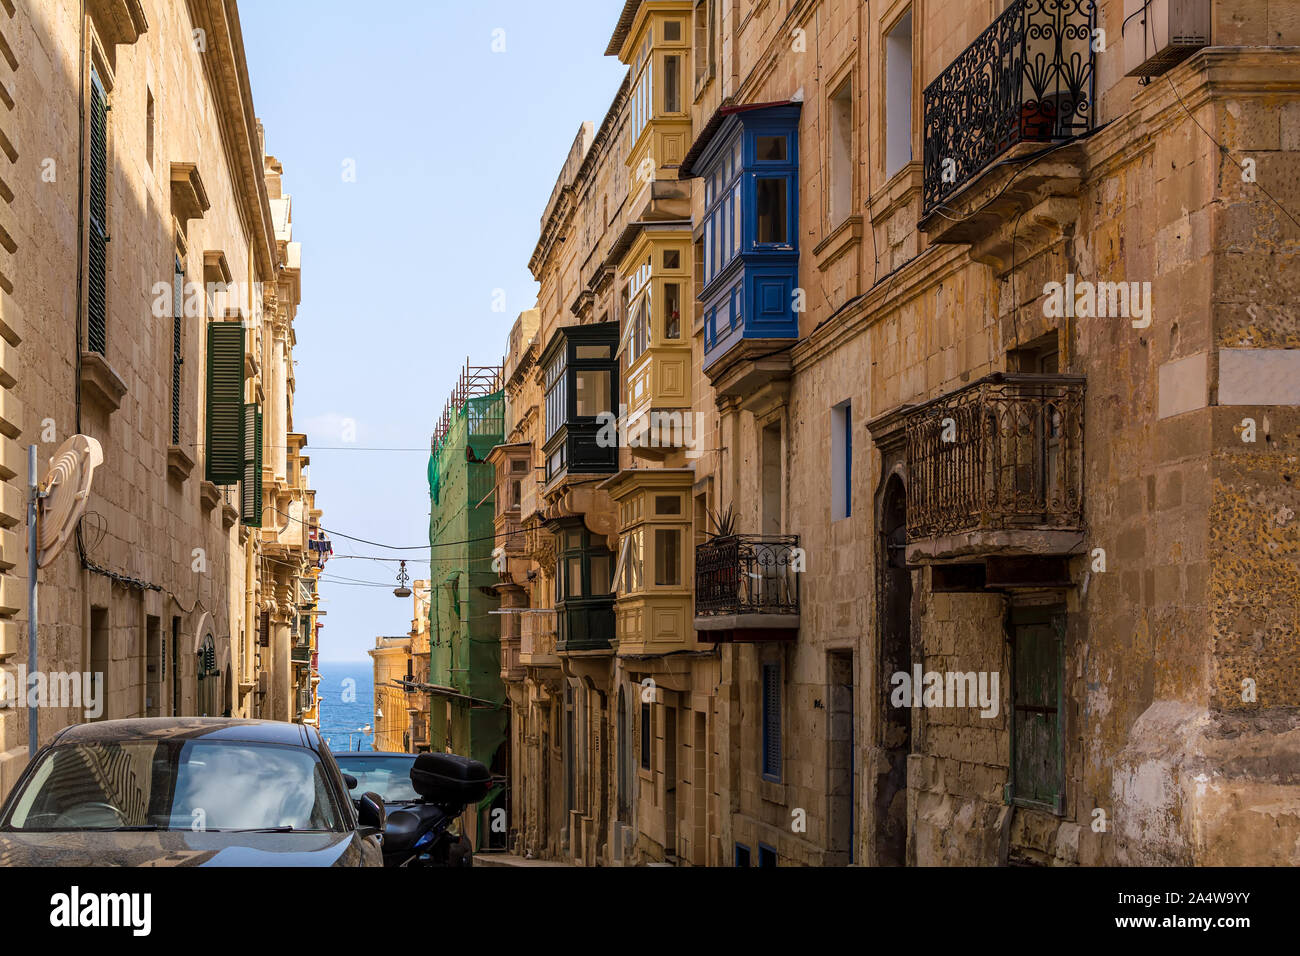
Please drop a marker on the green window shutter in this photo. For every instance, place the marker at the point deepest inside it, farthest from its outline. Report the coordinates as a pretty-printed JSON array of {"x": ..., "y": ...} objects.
[
  {"x": 251, "y": 499},
  {"x": 97, "y": 264},
  {"x": 224, "y": 440}
]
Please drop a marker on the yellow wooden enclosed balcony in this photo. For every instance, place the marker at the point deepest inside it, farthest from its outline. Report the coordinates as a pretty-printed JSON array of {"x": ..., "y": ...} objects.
[
  {"x": 655, "y": 345},
  {"x": 653, "y": 38},
  {"x": 653, "y": 604}
]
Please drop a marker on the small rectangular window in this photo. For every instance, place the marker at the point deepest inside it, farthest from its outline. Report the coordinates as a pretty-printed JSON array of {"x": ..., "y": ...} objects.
[
  {"x": 772, "y": 226},
  {"x": 840, "y": 154},
  {"x": 672, "y": 31},
  {"x": 741, "y": 856},
  {"x": 573, "y": 572},
  {"x": 766, "y": 855},
  {"x": 668, "y": 557},
  {"x": 591, "y": 352},
  {"x": 668, "y": 504},
  {"x": 771, "y": 149},
  {"x": 672, "y": 258}
]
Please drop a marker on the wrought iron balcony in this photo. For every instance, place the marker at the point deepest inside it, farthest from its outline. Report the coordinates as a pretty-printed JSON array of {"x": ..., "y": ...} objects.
[
  {"x": 1028, "y": 78},
  {"x": 997, "y": 467},
  {"x": 747, "y": 588}
]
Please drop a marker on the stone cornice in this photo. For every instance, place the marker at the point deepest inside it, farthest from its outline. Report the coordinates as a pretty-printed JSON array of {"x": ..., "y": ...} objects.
[{"x": 227, "y": 73}]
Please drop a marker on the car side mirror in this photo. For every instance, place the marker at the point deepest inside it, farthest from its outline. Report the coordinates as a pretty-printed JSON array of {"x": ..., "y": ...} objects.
[
  {"x": 350, "y": 780},
  {"x": 370, "y": 811}
]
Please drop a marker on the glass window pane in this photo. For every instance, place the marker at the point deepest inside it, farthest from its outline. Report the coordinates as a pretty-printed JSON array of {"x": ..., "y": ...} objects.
[
  {"x": 672, "y": 258},
  {"x": 771, "y": 149},
  {"x": 668, "y": 504},
  {"x": 668, "y": 559},
  {"x": 672, "y": 84},
  {"x": 600, "y": 574},
  {"x": 592, "y": 393},
  {"x": 771, "y": 211},
  {"x": 672, "y": 311},
  {"x": 672, "y": 31},
  {"x": 591, "y": 352},
  {"x": 574, "y": 574}
]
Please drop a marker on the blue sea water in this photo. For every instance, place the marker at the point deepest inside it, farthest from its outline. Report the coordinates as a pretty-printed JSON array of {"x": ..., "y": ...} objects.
[{"x": 347, "y": 703}]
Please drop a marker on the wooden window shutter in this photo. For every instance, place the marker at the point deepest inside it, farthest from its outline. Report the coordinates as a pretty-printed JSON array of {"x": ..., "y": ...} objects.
[
  {"x": 178, "y": 358},
  {"x": 224, "y": 460},
  {"x": 772, "y": 721},
  {"x": 264, "y": 629},
  {"x": 97, "y": 264},
  {"x": 251, "y": 483}
]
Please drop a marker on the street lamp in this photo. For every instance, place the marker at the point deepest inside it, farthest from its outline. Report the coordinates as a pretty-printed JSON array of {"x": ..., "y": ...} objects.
[{"x": 402, "y": 591}]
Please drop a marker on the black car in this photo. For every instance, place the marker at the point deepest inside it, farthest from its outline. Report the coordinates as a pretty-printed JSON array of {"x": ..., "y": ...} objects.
[
  {"x": 424, "y": 795},
  {"x": 188, "y": 791}
]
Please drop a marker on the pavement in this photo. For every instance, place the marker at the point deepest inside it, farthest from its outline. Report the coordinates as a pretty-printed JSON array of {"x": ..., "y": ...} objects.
[{"x": 510, "y": 859}]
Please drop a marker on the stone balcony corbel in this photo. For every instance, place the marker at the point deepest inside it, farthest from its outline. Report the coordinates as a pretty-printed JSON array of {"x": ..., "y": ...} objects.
[
  {"x": 189, "y": 198},
  {"x": 118, "y": 21},
  {"x": 100, "y": 383},
  {"x": 179, "y": 463},
  {"x": 1037, "y": 229}
]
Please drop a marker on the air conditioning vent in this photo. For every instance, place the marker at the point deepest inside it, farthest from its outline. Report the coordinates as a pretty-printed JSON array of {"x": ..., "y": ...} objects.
[{"x": 1160, "y": 34}]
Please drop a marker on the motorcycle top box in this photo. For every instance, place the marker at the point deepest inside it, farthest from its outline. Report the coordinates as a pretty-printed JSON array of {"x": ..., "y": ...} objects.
[{"x": 447, "y": 778}]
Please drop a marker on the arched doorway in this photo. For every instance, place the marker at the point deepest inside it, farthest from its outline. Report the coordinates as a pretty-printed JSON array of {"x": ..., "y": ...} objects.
[{"x": 895, "y": 656}]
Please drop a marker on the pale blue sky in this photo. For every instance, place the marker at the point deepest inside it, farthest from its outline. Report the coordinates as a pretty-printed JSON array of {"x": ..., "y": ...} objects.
[{"x": 456, "y": 151}]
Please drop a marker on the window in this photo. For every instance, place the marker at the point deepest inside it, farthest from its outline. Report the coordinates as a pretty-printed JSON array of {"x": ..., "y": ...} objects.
[
  {"x": 646, "y": 742},
  {"x": 668, "y": 504},
  {"x": 771, "y": 210},
  {"x": 97, "y": 266},
  {"x": 672, "y": 31},
  {"x": 591, "y": 393},
  {"x": 771, "y": 690},
  {"x": 668, "y": 557},
  {"x": 841, "y": 154},
  {"x": 770, "y": 149},
  {"x": 705, "y": 51},
  {"x": 1037, "y": 775},
  {"x": 842, "y": 461},
  {"x": 672, "y": 84},
  {"x": 741, "y": 855},
  {"x": 766, "y": 855},
  {"x": 672, "y": 310},
  {"x": 898, "y": 95}
]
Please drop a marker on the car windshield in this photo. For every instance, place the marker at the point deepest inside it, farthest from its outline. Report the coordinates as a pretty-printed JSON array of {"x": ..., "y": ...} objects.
[
  {"x": 176, "y": 785},
  {"x": 390, "y": 777}
]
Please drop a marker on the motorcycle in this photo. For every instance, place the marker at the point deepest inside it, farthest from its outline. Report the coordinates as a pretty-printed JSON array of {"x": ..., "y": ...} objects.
[{"x": 422, "y": 833}]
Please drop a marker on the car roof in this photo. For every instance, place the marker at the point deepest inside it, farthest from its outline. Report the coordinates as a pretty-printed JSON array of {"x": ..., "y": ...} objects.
[{"x": 191, "y": 728}]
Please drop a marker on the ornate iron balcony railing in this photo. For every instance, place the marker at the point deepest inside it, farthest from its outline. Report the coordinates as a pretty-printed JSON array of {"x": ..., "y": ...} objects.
[
  {"x": 1004, "y": 453},
  {"x": 747, "y": 574},
  {"x": 1027, "y": 78}
]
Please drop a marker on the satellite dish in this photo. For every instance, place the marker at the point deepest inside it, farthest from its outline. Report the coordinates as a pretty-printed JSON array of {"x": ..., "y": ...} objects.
[{"x": 64, "y": 494}]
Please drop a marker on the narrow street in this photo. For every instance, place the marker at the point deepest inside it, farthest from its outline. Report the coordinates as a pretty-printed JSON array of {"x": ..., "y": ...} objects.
[{"x": 631, "y": 434}]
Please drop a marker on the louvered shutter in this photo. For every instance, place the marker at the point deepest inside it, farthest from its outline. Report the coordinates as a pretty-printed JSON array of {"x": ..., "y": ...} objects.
[
  {"x": 224, "y": 464},
  {"x": 772, "y": 721},
  {"x": 178, "y": 359},
  {"x": 264, "y": 629},
  {"x": 250, "y": 511},
  {"x": 97, "y": 265}
]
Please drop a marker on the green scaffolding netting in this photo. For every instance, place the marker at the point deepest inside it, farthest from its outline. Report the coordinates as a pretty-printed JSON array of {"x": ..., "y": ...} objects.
[{"x": 464, "y": 652}]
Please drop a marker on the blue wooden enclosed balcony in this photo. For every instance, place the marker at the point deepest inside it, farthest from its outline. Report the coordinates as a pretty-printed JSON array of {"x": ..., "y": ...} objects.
[{"x": 748, "y": 157}]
